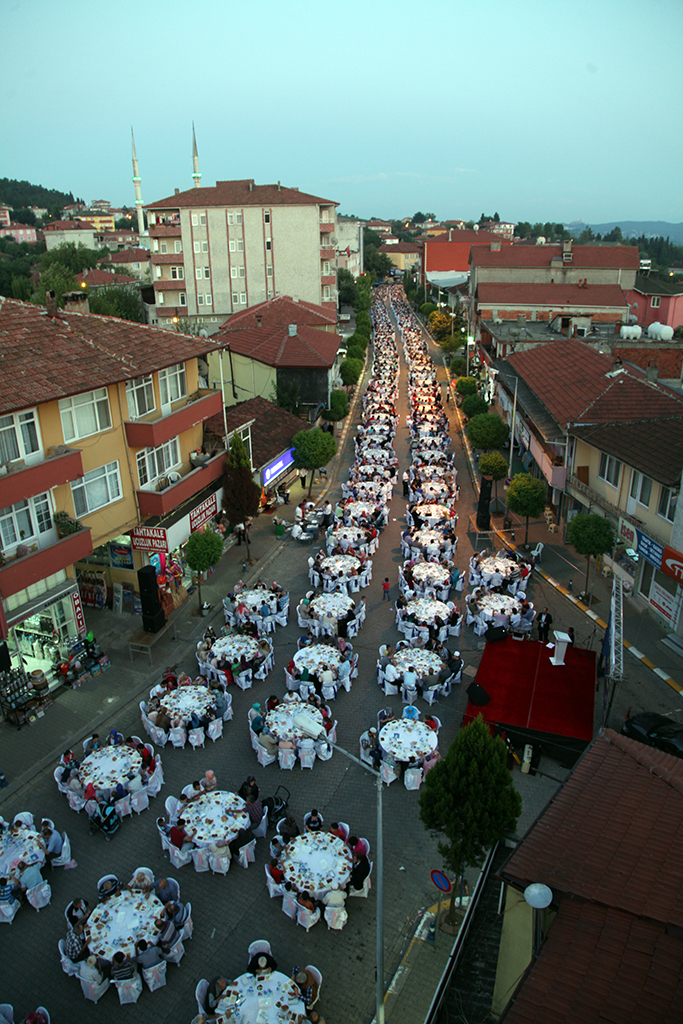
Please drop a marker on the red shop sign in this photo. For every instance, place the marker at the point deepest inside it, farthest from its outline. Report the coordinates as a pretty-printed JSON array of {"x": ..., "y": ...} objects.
[
  {"x": 149, "y": 538},
  {"x": 78, "y": 612},
  {"x": 672, "y": 564},
  {"x": 206, "y": 510}
]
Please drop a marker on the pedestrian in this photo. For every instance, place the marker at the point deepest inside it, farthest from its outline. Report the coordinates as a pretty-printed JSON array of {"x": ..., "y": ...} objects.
[
  {"x": 570, "y": 632},
  {"x": 385, "y": 589},
  {"x": 239, "y": 533},
  {"x": 406, "y": 481},
  {"x": 448, "y": 395},
  {"x": 302, "y": 476},
  {"x": 544, "y": 621}
]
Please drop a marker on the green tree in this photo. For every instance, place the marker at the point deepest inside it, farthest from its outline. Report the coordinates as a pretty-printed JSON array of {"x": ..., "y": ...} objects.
[
  {"x": 241, "y": 496},
  {"x": 526, "y": 496},
  {"x": 350, "y": 371},
  {"x": 466, "y": 386},
  {"x": 487, "y": 431},
  {"x": 469, "y": 800},
  {"x": 75, "y": 258},
  {"x": 21, "y": 288},
  {"x": 347, "y": 288},
  {"x": 313, "y": 449},
  {"x": 427, "y": 308},
  {"x": 339, "y": 406},
  {"x": 473, "y": 405},
  {"x": 458, "y": 367},
  {"x": 123, "y": 301},
  {"x": 286, "y": 396},
  {"x": 493, "y": 464},
  {"x": 419, "y": 218},
  {"x": 22, "y": 216},
  {"x": 57, "y": 279},
  {"x": 203, "y": 550},
  {"x": 590, "y": 534}
]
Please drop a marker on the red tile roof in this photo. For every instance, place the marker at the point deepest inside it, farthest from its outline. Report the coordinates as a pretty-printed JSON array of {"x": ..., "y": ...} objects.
[
  {"x": 308, "y": 349},
  {"x": 69, "y": 225},
  {"x": 400, "y": 247},
  {"x": 625, "y": 256},
  {"x": 442, "y": 255},
  {"x": 271, "y": 432},
  {"x": 95, "y": 278},
  {"x": 571, "y": 380},
  {"x": 43, "y": 359},
  {"x": 283, "y": 309},
  {"x": 653, "y": 447},
  {"x": 239, "y": 193},
  {"x": 129, "y": 256},
  {"x": 510, "y": 294}
]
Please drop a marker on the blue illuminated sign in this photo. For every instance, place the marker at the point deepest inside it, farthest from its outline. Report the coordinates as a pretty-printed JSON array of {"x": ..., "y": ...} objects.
[{"x": 277, "y": 467}]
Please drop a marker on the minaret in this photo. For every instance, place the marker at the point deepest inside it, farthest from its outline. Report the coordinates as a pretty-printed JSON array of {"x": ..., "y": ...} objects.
[
  {"x": 138, "y": 190},
  {"x": 196, "y": 176}
]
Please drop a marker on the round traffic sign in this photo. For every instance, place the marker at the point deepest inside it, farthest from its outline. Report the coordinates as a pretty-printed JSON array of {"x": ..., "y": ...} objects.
[{"x": 440, "y": 881}]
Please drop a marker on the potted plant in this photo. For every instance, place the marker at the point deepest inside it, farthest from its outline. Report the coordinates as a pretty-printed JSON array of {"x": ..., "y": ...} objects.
[{"x": 65, "y": 524}]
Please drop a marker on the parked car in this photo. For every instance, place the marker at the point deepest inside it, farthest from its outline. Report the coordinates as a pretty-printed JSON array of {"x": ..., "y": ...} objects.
[{"x": 657, "y": 731}]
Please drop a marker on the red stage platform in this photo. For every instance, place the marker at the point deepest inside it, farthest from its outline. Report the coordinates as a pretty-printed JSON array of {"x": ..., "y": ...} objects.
[{"x": 536, "y": 701}]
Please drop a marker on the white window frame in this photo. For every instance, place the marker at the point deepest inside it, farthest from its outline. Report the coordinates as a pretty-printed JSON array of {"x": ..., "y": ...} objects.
[
  {"x": 202, "y": 219},
  {"x": 195, "y": 222},
  {"x": 13, "y": 423},
  {"x": 162, "y": 247},
  {"x": 233, "y": 245},
  {"x": 266, "y": 217},
  {"x": 155, "y": 463},
  {"x": 667, "y": 500},
  {"x": 608, "y": 467},
  {"x": 656, "y": 301},
  {"x": 137, "y": 389},
  {"x": 231, "y": 218},
  {"x": 198, "y": 273},
  {"x": 96, "y": 406},
  {"x": 641, "y": 488},
  {"x": 233, "y": 271},
  {"x": 197, "y": 247},
  {"x": 160, "y": 298},
  {"x": 238, "y": 218},
  {"x": 177, "y": 273},
  {"x": 207, "y": 298},
  {"x": 243, "y": 298},
  {"x": 205, "y": 246},
  {"x": 97, "y": 489},
  {"x": 178, "y": 245},
  {"x": 269, "y": 244},
  {"x": 31, "y": 516}
]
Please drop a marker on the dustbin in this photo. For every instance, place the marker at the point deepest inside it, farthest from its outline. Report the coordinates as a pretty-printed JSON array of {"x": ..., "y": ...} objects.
[{"x": 279, "y": 530}]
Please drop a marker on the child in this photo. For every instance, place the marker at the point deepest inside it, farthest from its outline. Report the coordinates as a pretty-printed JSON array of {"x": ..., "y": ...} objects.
[{"x": 385, "y": 589}]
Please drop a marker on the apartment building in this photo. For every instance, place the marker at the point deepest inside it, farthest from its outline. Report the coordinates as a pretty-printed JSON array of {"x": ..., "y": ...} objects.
[{"x": 217, "y": 250}]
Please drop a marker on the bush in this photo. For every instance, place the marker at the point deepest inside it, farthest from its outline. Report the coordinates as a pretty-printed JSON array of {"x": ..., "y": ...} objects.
[
  {"x": 427, "y": 308},
  {"x": 458, "y": 367},
  {"x": 472, "y": 405},
  {"x": 339, "y": 406},
  {"x": 350, "y": 370},
  {"x": 466, "y": 386},
  {"x": 354, "y": 352}
]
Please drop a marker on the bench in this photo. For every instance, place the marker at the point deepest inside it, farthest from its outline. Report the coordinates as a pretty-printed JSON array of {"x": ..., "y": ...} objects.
[{"x": 143, "y": 642}]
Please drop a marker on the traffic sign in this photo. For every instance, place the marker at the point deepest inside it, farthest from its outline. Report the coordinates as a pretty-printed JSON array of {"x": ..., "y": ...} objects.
[
  {"x": 507, "y": 481},
  {"x": 440, "y": 881}
]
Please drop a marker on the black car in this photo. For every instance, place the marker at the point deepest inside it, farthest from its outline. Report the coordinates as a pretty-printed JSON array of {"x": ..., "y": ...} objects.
[{"x": 655, "y": 730}]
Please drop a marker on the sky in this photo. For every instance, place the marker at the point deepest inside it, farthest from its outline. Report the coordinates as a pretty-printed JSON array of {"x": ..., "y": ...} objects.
[{"x": 538, "y": 111}]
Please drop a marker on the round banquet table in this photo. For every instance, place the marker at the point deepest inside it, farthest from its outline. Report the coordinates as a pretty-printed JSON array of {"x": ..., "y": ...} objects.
[
  {"x": 432, "y": 513},
  {"x": 375, "y": 455},
  {"x": 498, "y": 603},
  {"x": 431, "y": 489},
  {"x": 431, "y": 574},
  {"x": 186, "y": 699},
  {"x": 254, "y": 599},
  {"x": 354, "y": 534},
  {"x": 404, "y": 739},
  {"x": 120, "y": 922},
  {"x": 332, "y": 604},
  {"x": 269, "y": 998},
  {"x": 360, "y": 509},
  {"x": 424, "y": 662},
  {"x": 425, "y": 610},
  {"x": 25, "y": 845},
  {"x": 423, "y": 538},
  {"x": 107, "y": 767},
  {"x": 497, "y": 563},
  {"x": 340, "y": 565},
  {"x": 217, "y": 815},
  {"x": 280, "y": 721},
  {"x": 316, "y": 655},
  {"x": 316, "y": 863},
  {"x": 236, "y": 646}
]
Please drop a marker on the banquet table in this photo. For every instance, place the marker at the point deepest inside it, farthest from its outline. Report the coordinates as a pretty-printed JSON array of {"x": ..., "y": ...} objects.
[
  {"x": 404, "y": 739},
  {"x": 360, "y": 509},
  {"x": 424, "y": 662},
  {"x": 235, "y": 646},
  {"x": 424, "y": 538},
  {"x": 254, "y": 599},
  {"x": 186, "y": 699},
  {"x": 316, "y": 655},
  {"x": 431, "y": 489},
  {"x": 340, "y": 565},
  {"x": 497, "y": 563},
  {"x": 431, "y": 512},
  {"x": 377, "y": 455},
  {"x": 106, "y": 767},
  {"x": 280, "y": 721},
  {"x": 216, "y": 815},
  {"x": 356, "y": 535},
  {"x": 425, "y": 610},
  {"x": 498, "y": 603},
  {"x": 431, "y": 574},
  {"x": 121, "y": 921},
  {"x": 331, "y": 604},
  {"x": 25, "y": 845},
  {"x": 268, "y": 998},
  {"x": 316, "y": 862}
]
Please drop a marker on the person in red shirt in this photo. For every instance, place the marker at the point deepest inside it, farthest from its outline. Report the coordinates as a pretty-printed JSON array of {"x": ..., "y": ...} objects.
[
  {"x": 335, "y": 830},
  {"x": 179, "y": 837},
  {"x": 276, "y": 872}
]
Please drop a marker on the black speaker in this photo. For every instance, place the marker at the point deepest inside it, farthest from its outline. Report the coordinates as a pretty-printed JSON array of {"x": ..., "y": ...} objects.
[
  {"x": 153, "y": 623},
  {"x": 5, "y": 659},
  {"x": 494, "y": 633},
  {"x": 150, "y": 604},
  {"x": 147, "y": 580}
]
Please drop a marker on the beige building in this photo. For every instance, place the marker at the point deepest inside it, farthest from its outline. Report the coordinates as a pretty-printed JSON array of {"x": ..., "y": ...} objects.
[
  {"x": 404, "y": 255},
  {"x": 60, "y": 232},
  {"x": 100, "y": 221}
]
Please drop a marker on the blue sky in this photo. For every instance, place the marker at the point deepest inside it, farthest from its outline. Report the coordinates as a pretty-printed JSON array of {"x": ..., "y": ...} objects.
[{"x": 540, "y": 111}]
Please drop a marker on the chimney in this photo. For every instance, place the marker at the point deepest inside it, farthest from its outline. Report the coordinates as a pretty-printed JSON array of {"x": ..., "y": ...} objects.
[
  {"x": 51, "y": 303},
  {"x": 521, "y": 319},
  {"x": 652, "y": 371},
  {"x": 279, "y": 187},
  {"x": 617, "y": 364},
  {"x": 450, "y": 234},
  {"x": 76, "y": 302},
  {"x": 567, "y": 254},
  {"x": 495, "y": 246},
  {"x": 259, "y": 318},
  {"x": 176, "y": 191},
  {"x": 292, "y": 330},
  {"x": 251, "y": 186}
]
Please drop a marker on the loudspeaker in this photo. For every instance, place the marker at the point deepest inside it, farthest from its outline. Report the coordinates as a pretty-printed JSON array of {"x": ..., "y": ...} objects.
[
  {"x": 147, "y": 580},
  {"x": 150, "y": 604},
  {"x": 483, "y": 514},
  {"x": 494, "y": 633},
  {"x": 153, "y": 623},
  {"x": 5, "y": 659}
]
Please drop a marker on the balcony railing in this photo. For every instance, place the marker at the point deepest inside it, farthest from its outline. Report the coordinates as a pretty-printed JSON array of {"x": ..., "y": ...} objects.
[
  {"x": 20, "y": 573},
  {"x": 160, "y": 503},
  {"x": 326, "y": 227},
  {"x": 165, "y": 230},
  {"x": 151, "y": 433},
  {"x": 578, "y": 487},
  {"x": 26, "y": 481}
]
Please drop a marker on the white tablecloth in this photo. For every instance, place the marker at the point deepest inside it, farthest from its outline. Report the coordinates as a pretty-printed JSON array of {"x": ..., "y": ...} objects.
[
  {"x": 376, "y": 455},
  {"x": 184, "y": 700},
  {"x": 25, "y": 845},
  {"x": 280, "y": 720},
  {"x": 109, "y": 766},
  {"x": 316, "y": 655},
  {"x": 431, "y": 513},
  {"x": 254, "y": 599},
  {"x": 423, "y": 538},
  {"x": 425, "y": 611},
  {"x": 121, "y": 921},
  {"x": 498, "y": 603},
  {"x": 424, "y": 662},
  {"x": 217, "y": 815},
  {"x": 340, "y": 565},
  {"x": 354, "y": 534},
  {"x": 431, "y": 574},
  {"x": 497, "y": 563},
  {"x": 270, "y": 998},
  {"x": 404, "y": 739},
  {"x": 336, "y": 604},
  {"x": 316, "y": 863},
  {"x": 236, "y": 646},
  {"x": 359, "y": 510}
]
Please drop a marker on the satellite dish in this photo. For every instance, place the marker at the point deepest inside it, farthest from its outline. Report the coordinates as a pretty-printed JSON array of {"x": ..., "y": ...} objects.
[
  {"x": 538, "y": 895},
  {"x": 203, "y": 333}
]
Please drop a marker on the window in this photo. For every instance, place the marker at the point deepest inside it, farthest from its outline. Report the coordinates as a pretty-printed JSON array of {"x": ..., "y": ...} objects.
[
  {"x": 238, "y": 218},
  {"x": 182, "y": 299},
  {"x": 140, "y": 395},
  {"x": 178, "y": 273},
  {"x": 197, "y": 247},
  {"x": 266, "y": 217},
  {"x": 326, "y": 292},
  {"x": 162, "y": 247},
  {"x": 96, "y": 489},
  {"x": 198, "y": 273},
  {"x": 326, "y": 266},
  {"x": 241, "y": 271},
  {"x": 205, "y": 246},
  {"x": 207, "y": 272},
  {"x": 655, "y": 301},
  {"x": 231, "y": 218},
  {"x": 207, "y": 298},
  {"x": 233, "y": 271},
  {"x": 269, "y": 271},
  {"x": 240, "y": 245},
  {"x": 160, "y": 298},
  {"x": 609, "y": 469},
  {"x": 18, "y": 436},
  {"x": 156, "y": 462},
  {"x": 25, "y": 520},
  {"x": 136, "y": 266},
  {"x": 233, "y": 245},
  {"x": 667, "y": 503},
  {"x": 202, "y": 218},
  {"x": 156, "y": 245},
  {"x": 178, "y": 245},
  {"x": 269, "y": 243},
  {"x": 235, "y": 298},
  {"x": 641, "y": 488},
  {"x": 85, "y": 414},
  {"x": 243, "y": 298},
  {"x": 200, "y": 298},
  {"x": 194, "y": 220}
]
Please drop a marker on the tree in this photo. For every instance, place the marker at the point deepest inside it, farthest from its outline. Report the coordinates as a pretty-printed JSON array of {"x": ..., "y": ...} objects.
[
  {"x": 339, "y": 406},
  {"x": 241, "y": 496},
  {"x": 427, "y": 308},
  {"x": 590, "y": 534},
  {"x": 526, "y": 496},
  {"x": 347, "y": 288},
  {"x": 487, "y": 431},
  {"x": 58, "y": 279},
  {"x": 286, "y": 396},
  {"x": 22, "y": 216},
  {"x": 466, "y": 386},
  {"x": 313, "y": 449},
  {"x": 419, "y": 218},
  {"x": 473, "y": 405},
  {"x": 493, "y": 464},
  {"x": 440, "y": 325},
  {"x": 203, "y": 550},
  {"x": 123, "y": 301},
  {"x": 350, "y": 370},
  {"x": 468, "y": 799},
  {"x": 458, "y": 367}
]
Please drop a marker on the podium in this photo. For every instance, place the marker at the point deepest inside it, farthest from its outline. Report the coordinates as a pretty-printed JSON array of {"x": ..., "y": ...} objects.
[{"x": 562, "y": 641}]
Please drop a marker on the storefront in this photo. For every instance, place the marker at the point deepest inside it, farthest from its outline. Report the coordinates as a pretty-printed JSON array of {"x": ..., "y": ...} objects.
[
  {"x": 44, "y": 622},
  {"x": 659, "y": 572}
]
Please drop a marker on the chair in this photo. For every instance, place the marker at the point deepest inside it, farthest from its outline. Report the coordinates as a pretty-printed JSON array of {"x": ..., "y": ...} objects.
[
  {"x": 412, "y": 778},
  {"x": 197, "y": 737},
  {"x": 307, "y": 756},
  {"x": 538, "y": 551},
  {"x": 157, "y": 780},
  {"x": 431, "y": 695},
  {"x": 92, "y": 991},
  {"x": 65, "y": 856},
  {"x": 329, "y": 692},
  {"x": 260, "y": 831},
  {"x": 391, "y": 689},
  {"x": 387, "y": 773},
  {"x": 204, "y": 667},
  {"x": 39, "y": 896},
  {"x": 274, "y": 888},
  {"x": 25, "y": 818},
  {"x": 68, "y": 966},
  {"x": 307, "y": 818},
  {"x": 188, "y": 927},
  {"x": 244, "y": 680},
  {"x": 139, "y": 801},
  {"x": 155, "y": 977},
  {"x": 367, "y": 885},
  {"x": 129, "y": 990},
  {"x": 289, "y": 904},
  {"x": 286, "y": 758},
  {"x": 123, "y": 807},
  {"x": 307, "y": 918},
  {"x": 219, "y": 865},
  {"x": 324, "y": 749},
  {"x": 228, "y": 713},
  {"x": 247, "y": 855},
  {"x": 7, "y": 1012},
  {"x": 317, "y": 976},
  {"x": 200, "y": 858},
  {"x": 437, "y": 721},
  {"x": 215, "y": 729},
  {"x": 171, "y": 806},
  {"x": 175, "y": 954},
  {"x": 57, "y": 776},
  {"x": 263, "y": 757},
  {"x": 178, "y": 858},
  {"x": 200, "y": 994},
  {"x": 157, "y": 735},
  {"x": 259, "y": 946},
  {"x": 411, "y": 713},
  {"x": 364, "y": 755},
  {"x": 408, "y": 694},
  {"x": 178, "y": 736},
  {"x": 8, "y": 911}
]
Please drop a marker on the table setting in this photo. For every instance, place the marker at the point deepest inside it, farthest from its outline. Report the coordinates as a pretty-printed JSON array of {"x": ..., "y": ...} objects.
[
  {"x": 214, "y": 816},
  {"x": 108, "y": 766},
  {"x": 336, "y": 605},
  {"x": 424, "y": 662},
  {"x": 498, "y": 563},
  {"x": 268, "y": 998},
  {"x": 316, "y": 655},
  {"x": 431, "y": 512},
  {"x": 492, "y": 603},
  {"x": 377, "y": 456},
  {"x": 355, "y": 535},
  {"x": 316, "y": 862},
  {"x": 180, "y": 703},
  {"x": 254, "y": 599},
  {"x": 24, "y": 844},
  {"x": 426, "y": 610},
  {"x": 121, "y": 921},
  {"x": 280, "y": 721},
  {"x": 431, "y": 574},
  {"x": 404, "y": 739},
  {"x": 340, "y": 565},
  {"x": 235, "y": 646},
  {"x": 360, "y": 510}
]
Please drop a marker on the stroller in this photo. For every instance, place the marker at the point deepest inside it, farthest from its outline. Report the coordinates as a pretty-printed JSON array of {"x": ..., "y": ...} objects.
[
  {"x": 280, "y": 804},
  {"x": 106, "y": 820}
]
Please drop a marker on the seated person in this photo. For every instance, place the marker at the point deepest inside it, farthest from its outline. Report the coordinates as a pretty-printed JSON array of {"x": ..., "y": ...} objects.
[
  {"x": 215, "y": 992},
  {"x": 336, "y": 830},
  {"x": 269, "y": 742},
  {"x": 276, "y": 872},
  {"x": 75, "y": 945},
  {"x": 91, "y": 971},
  {"x": 139, "y": 883},
  {"x": 28, "y": 875},
  {"x": 179, "y": 912},
  {"x": 109, "y": 887},
  {"x": 114, "y": 739},
  {"x": 304, "y": 900},
  {"x": 91, "y": 744},
  {"x": 262, "y": 963},
  {"x": 289, "y": 829},
  {"x": 147, "y": 955},
  {"x": 209, "y": 783},
  {"x": 168, "y": 933},
  {"x": 77, "y": 911},
  {"x": 307, "y": 985},
  {"x": 384, "y": 716},
  {"x": 272, "y": 702},
  {"x": 122, "y": 967},
  {"x": 334, "y": 898},
  {"x": 180, "y": 838},
  {"x": 10, "y": 892},
  {"x": 314, "y": 822},
  {"x": 243, "y": 838},
  {"x": 359, "y": 872},
  {"x": 165, "y": 890},
  {"x": 134, "y": 782}
]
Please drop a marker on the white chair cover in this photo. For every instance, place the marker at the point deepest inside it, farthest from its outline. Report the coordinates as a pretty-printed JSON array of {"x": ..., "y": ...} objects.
[
  {"x": 139, "y": 801},
  {"x": 286, "y": 758},
  {"x": 176, "y": 954},
  {"x": 264, "y": 758},
  {"x": 179, "y": 736},
  {"x": 68, "y": 966},
  {"x": 412, "y": 778},
  {"x": 336, "y": 917},
  {"x": 307, "y": 918},
  {"x": 200, "y": 858},
  {"x": 307, "y": 757},
  {"x": 197, "y": 737},
  {"x": 39, "y": 895},
  {"x": 155, "y": 977},
  {"x": 64, "y": 858},
  {"x": 215, "y": 729},
  {"x": 289, "y": 904},
  {"x": 92, "y": 991},
  {"x": 274, "y": 888},
  {"x": 219, "y": 865},
  {"x": 247, "y": 855},
  {"x": 129, "y": 990}
]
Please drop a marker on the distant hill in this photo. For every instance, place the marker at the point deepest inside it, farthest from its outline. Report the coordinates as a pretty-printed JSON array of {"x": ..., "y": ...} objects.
[
  {"x": 19, "y": 195},
  {"x": 636, "y": 228}
]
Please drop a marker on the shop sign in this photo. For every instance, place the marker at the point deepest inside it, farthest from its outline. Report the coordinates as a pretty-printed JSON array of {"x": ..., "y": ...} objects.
[
  {"x": 149, "y": 538},
  {"x": 672, "y": 564},
  {"x": 646, "y": 547},
  {"x": 278, "y": 466},
  {"x": 628, "y": 534},
  {"x": 121, "y": 556},
  {"x": 664, "y": 603},
  {"x": 79, "y": 617},
  {"x": 206, "y": 510}
]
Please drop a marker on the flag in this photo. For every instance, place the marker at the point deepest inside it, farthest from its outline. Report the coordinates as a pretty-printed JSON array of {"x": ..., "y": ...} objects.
[{"x": 348, "y": 250}]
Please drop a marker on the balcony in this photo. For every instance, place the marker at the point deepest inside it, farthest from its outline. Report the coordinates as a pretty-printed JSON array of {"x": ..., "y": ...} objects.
[
  {"x": 166, "y": 257},
  {"x": 20, "y": 573},
  {"x": 160, "y": 503},
  {"x": 170, "y": 284},
  {"x": 576, "y": 487},
  {"x": 27, "y": 481},
  {"x": 330, "y": 279},
  {"x": 151, "y": 433},
  {"x": 326, "y": 227},
  {"x": 327, "y": 252},
  {"x": 165, "y": 230}
]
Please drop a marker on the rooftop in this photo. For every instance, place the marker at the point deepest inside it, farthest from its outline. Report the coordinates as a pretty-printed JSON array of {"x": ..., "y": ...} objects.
[
  {"x": 511, "y": 294},
  {"x": 97, "y": 277},
  {"x": 283, "y": 309},
  {"x": 238, "y": 193},
  {"x": 128, "y": 256},
  {"x": 272, "y": 432},
  {"x": 308, "y": 349},
  {"x": 647, "y": 285},
  {"x": 588, "y": 256},
  {"x": 69, "y": 225},
  {"x": 653, "y": 447}
]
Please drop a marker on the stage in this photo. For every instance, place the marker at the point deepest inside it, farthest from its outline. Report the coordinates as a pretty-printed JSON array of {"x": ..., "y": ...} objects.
[{"x": 536, "y": 701}]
